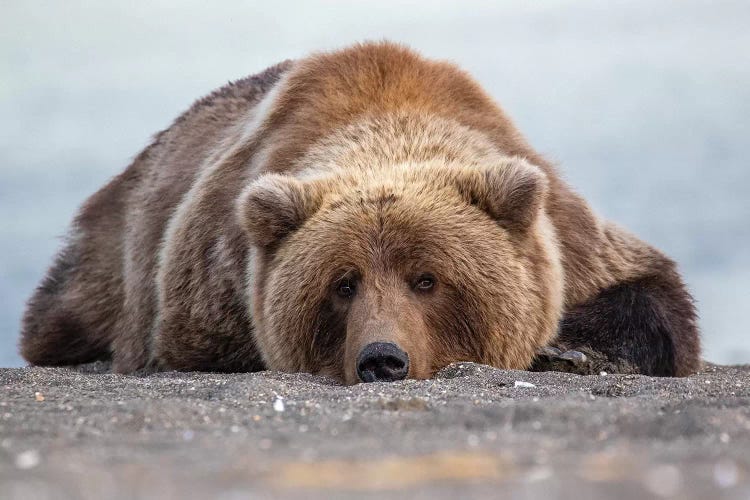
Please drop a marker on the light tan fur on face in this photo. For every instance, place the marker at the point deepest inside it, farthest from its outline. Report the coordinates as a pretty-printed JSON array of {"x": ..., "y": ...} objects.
[{"x": 385, "y": 222}]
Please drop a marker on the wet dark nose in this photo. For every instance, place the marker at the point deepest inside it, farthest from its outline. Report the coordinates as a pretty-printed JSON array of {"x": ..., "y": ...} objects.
[{"x": 382, "y": 362}]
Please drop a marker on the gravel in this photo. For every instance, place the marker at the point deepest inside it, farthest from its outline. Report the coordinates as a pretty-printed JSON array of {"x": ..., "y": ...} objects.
[{"x": 472, "y": 431}]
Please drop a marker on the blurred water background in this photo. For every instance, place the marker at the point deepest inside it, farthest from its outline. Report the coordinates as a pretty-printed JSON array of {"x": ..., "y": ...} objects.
[{"x": 644, "y": 104}]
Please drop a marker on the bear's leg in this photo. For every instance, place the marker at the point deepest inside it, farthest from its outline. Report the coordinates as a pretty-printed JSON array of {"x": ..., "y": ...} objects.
[
  {"x": 71, "y": 317},
  {"x": 646, "y": 325},
  {"x": 131, "y": 348},
  {"x": 68, "y": 318}
]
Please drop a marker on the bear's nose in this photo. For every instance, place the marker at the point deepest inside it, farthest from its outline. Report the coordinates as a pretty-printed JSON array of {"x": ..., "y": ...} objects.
[{"x": 382, "y": 362}]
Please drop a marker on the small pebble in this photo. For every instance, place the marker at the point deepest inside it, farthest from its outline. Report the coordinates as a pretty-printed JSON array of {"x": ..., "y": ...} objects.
[
  {"x": 265, "y": 444},
  {"x": 663, "y": 480},
  {"x": 726, "y": 474},
  {"x": 521, "y": 383},
  {"x": 538, "y": 473},
  {"x": 39, "y": 396},
  {"x": 278, "y": 405},
  {"x": 28, "y": 459},
  {"x": 603, "y": 374}
]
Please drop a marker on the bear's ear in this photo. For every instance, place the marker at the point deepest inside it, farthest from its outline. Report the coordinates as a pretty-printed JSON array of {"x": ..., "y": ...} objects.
[
  {"x": 511, "y": 192},
  {"x": 273, "y": 206}
]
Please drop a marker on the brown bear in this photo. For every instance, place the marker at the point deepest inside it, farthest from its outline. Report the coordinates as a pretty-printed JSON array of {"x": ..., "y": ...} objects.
[{"x": 365, "y": 214}]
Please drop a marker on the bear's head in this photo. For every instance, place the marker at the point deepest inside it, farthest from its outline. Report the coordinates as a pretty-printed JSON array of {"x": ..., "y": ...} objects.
[{"x": 398, "y": 272}]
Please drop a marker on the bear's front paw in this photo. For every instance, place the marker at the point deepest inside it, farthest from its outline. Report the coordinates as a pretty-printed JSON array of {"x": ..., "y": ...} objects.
[
  {"x": 581, "y": 361},
  {"x": 550, "y": 358}
]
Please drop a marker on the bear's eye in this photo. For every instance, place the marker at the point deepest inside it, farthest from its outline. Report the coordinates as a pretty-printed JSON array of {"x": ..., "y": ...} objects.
[
  {"x": 424, "y": 282},
  {"x": 346, "y": 288}
]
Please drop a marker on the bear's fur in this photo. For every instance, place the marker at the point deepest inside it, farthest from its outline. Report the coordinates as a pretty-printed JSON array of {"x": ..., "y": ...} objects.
[{"x": 222, "y": 245}]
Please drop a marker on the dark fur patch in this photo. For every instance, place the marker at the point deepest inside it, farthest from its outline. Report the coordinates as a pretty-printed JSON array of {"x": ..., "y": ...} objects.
[
  {"x": 457, "y": 326},
  {"x": 63, "y": 342},
  {"x": 329, "y": 337},
  {"x": 649, "y": 323},
  {"x": 51, "y": 334}
]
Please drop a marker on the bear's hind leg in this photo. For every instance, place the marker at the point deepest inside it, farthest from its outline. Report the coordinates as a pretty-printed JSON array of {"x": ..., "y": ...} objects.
[
  {"x": 646, "y": 325},
  {"x": 59, "y": 326}
]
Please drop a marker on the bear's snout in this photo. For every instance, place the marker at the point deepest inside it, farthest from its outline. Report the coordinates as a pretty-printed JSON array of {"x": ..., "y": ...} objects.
[{"x": 382, "y": 362}]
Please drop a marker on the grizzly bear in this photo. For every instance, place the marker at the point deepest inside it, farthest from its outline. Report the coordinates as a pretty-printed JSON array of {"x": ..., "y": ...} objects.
[{"x": 365, "y": 214}]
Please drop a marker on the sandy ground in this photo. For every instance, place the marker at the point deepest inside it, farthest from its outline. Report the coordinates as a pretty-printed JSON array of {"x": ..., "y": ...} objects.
[{"x": 473, "y": 431}]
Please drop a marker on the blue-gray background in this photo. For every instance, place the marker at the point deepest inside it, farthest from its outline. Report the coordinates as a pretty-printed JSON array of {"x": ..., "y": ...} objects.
[{"x": 645, "y": 105}]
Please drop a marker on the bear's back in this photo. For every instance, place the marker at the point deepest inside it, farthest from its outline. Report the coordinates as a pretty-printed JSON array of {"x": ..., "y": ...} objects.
[{"x": 99, "y": 295}]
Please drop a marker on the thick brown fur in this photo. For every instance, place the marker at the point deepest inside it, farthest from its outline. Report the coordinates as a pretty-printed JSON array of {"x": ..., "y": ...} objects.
[{"x": 220, "y": 247}]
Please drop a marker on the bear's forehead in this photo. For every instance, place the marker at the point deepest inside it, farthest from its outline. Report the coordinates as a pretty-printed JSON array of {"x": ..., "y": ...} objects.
[
  {"x": 408, "y": 193},
  {"x": 392, "y": 227},
  {"x": 368, "y": 210},
  {"x": 376, "y": 200}
]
